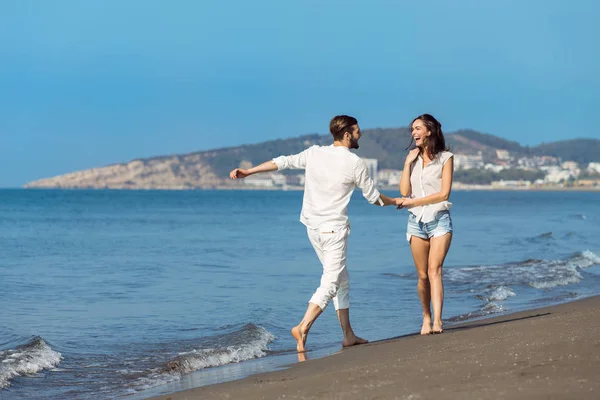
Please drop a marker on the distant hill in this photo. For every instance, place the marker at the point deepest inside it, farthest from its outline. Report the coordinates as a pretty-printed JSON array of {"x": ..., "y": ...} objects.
[
  {"x": 579, "y": 150},
  {"x": 483, "y": 141},
  {"x": 209, "y": 169}
]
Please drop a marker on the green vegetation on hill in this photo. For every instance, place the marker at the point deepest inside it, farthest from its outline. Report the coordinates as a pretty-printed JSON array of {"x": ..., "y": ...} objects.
[
  {"x": 224, "y": 160},
  {"x": 388, "y": 146},
  {"x": 580, "y": 150},
  {"x": 209, "y": 169},
  {"x": 491, "y": 141}
]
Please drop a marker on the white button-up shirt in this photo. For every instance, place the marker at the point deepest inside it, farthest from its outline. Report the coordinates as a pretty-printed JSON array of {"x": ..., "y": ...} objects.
[
  {"x": 427, "y": 181},
  {"x": 332, "y": 173}
]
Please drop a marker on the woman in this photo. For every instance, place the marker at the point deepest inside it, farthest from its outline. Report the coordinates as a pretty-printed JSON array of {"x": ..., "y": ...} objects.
[{"x": 426, "y": 182}]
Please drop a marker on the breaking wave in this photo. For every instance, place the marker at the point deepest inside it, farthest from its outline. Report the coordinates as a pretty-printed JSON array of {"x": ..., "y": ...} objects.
[
  {"x": 536, "y": 273},
  {"x": 501, "y": 282},
  {"x": 27, "y": 359},
  {"x": 249, "y": 342},
  {"x": 501, "y": 293}
]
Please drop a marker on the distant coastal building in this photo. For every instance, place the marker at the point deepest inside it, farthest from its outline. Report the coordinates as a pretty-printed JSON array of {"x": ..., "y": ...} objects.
[
  {"x": 536, "y": 162},
  {"x": 570, "y": 165},
  {"x": 511, "y": 184},
  {"x": 389, "y": 177},
  {"x": 588, "y": 183},
  {"x": 593, "y": 168},
  {"x": 259, "y": 180},
  {"x": 278, "y": 179},
  {"x": 503, "y": 155},
  {"x": 274, "y": 179},
  {"x": 556, "y": 174},
  {"x": 372, "y": 166},
  {"x": 463, "y": 161},
  {"x": 494, "y": 167},
  {"x": 527, "y": 163}
]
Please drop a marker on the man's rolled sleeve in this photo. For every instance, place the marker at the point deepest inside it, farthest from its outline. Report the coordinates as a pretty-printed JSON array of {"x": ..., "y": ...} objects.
[
  {"x": 295, "y": 161},
  {"x": 365, "y": 183},
  {"x": 280, "y": 162}
]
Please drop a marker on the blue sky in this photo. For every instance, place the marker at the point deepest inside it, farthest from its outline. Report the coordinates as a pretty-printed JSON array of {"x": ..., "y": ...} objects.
[{"x": 90, "y": 83}]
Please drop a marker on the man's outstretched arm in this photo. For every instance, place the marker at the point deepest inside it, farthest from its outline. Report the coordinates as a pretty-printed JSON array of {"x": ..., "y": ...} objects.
[
  {"x": 295, "y": 161},
  {"x": 264, "y": 167}
]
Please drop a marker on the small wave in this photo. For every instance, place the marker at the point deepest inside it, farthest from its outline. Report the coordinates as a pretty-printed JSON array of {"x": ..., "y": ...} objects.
[
  {"x": 501, "y": 293},
  {"x": 537, "y": 273},
  {"x": 567, "y": 276},
  {"x": 395, "y": 275},
  {"x": 206, "y": 358},
  {"x": 589, "y": 256},
  {"x": 557, "y": 298},
  {"x": 547, "y": 235},
  {"x": 566, "y": 272},
  {"x": 545, "y": 238},
  {"x": 254, "y": 343},
  {"x": 491, "y": 298},
  {"x": 497, "y": 281},
  {"x": 27, "y": 359},
  {"x": 488, "y": 309}
]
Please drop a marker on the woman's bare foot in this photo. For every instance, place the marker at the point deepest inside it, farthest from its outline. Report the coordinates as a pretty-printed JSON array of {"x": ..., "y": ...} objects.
[
  {"x": 426, "y": 328},
  {"x": 437, "y": 328},
  {"x": 352, "y": 340},
  {"x": 300, "y": 337}
]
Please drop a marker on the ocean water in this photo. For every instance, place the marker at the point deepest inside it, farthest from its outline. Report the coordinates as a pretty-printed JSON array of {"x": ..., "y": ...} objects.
[{"x": 108, "y": 294}]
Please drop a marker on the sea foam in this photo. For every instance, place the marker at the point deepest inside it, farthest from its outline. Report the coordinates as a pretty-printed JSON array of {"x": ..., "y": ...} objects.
[{"x": 27, "y": 359}]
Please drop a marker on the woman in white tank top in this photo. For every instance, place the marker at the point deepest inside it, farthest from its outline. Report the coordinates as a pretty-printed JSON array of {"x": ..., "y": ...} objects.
[{"x": 426, "y": 183}]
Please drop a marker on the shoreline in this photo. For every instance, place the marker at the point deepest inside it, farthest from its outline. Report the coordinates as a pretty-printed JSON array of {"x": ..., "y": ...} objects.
[
  {"x": 544, "y": 352},
  {"x": 456, "y": 187}
]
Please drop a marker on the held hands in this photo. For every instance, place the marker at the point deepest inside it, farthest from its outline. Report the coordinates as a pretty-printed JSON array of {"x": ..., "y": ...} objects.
[
  {"x": 401, "y": 202},
  {"x": 412, "y": 155},
  {"x": 238, "y": 173}
]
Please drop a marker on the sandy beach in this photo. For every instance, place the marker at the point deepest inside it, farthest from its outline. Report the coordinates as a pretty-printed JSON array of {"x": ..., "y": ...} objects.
[{"x": 547, "y": 353}]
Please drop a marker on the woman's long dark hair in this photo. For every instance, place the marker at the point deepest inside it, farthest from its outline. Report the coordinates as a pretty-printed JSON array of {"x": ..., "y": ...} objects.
[{"x": 435, "y": 143}]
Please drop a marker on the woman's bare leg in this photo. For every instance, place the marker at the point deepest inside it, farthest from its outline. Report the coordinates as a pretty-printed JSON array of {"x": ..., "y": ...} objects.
[
  {"x": 420, "y": 252},
  {"x": 438, "y": 248}
]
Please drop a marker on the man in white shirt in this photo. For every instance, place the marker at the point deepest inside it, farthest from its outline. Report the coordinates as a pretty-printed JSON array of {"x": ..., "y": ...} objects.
[{"x": 332, "y": 173}]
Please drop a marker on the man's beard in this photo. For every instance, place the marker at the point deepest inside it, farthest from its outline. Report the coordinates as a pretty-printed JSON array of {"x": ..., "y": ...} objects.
[{"x": 353, "y": 144}]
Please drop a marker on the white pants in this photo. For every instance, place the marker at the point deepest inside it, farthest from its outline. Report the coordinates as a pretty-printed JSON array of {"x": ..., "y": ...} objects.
[{"x": 331, "y": 246}]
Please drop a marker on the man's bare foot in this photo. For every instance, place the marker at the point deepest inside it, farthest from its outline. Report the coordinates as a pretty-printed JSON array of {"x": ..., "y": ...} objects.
[
  {"x": 353, "y": 340},
  {"x": 300, "y": 337},
  {"x": 437, "y": 328},
  {"x": 426, "y": 328}
]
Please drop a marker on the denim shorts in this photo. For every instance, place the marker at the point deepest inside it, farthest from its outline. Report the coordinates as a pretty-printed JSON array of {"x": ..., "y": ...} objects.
[{"x": 441, "y": 225}]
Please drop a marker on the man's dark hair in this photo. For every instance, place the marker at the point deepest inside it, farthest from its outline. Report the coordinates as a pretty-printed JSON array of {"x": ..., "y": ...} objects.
[{"x": 341, "y": 124}]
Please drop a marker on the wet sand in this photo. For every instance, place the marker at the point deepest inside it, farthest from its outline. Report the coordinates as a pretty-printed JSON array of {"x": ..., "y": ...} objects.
[{"x": 548, "y": 353}]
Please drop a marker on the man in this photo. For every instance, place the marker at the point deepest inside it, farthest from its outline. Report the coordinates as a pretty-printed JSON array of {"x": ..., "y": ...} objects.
[{"x": 332, "y": 173}]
